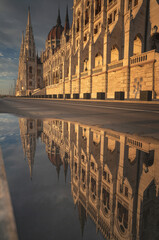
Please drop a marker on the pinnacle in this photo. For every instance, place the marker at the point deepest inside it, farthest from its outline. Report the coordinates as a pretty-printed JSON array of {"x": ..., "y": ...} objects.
[{"x": 29, "y": 17}]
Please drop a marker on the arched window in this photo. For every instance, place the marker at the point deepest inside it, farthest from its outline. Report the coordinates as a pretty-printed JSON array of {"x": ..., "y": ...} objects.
[
  {"x": 129, "y": 4},
  {"x": 98, "y": 60},
  {"x": 135, "y": 2},
  {"x": 137, "y": 47},
  {"x": 30, "y": 69},
  {"x": 86, "y": 64},
  {"x": 78, "y": 22},
  {"x": 122, "y": 217},
  {"x": 106, "y": 200},
  {"x": 97, "y": 6},
  {"x": 114, "y": 54}
]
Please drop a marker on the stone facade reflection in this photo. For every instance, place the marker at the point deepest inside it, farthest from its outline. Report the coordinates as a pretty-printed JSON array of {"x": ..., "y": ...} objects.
[
  {"x": 114, "y": 176},
  {"x": 30, "y": 130}
]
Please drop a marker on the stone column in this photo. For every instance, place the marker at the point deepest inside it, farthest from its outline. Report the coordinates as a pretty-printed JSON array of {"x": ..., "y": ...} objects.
[
  {"x": 78, "y": 144},
  {"x": 91, "y": 45},
  {"x": 88, "y": 135},
  {"x": 106, "y": 57},
  {"x": 102, "y": 149},
  {"x": 63, "y": 76},
  {"x": 70, "y": 71},
  {"x": 79, "y": 69},
  {"x": 127, "y": 44}
]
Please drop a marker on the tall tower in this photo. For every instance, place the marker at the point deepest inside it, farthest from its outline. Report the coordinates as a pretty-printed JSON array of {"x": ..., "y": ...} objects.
[
  {"x": 27, "y": 74},
  {"x": 30, "y": 57}
]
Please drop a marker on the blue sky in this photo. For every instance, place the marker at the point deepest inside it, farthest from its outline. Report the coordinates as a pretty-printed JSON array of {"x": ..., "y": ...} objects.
[{"x": 13, "y": 19}]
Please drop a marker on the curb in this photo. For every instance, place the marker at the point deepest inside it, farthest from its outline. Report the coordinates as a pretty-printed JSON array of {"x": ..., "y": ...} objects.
[
  {"x": 8, "y": 230},
  {"x": 95, "y": 100}
]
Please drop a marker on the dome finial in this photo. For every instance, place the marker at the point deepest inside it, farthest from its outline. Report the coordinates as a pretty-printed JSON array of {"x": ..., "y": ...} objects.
[
  {"x": 29, "y": 17},
  {"x": 58, "y": 18}
]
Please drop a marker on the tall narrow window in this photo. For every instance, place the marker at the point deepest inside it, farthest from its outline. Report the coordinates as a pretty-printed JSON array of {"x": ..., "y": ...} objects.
[
  {"x": 78, "y": 25},
  {"x": 78, "y": 22},
  {"x": 122, "y": 217},
  {"x": 87, "y": 13},
  {"x": 129, "y": 4},
  {"x": 135, "y": 2},
  {"x": 114, "y": 54},
  {"x": 137, "y": 48},
  {"x": 97, "y": 6},
  {"x": 98, "y": 60},
  {"x": 30, "y": 69}
]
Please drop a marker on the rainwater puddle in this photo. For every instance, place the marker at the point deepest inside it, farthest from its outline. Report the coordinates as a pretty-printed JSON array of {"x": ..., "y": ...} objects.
[{"x": 73, "y": 181}]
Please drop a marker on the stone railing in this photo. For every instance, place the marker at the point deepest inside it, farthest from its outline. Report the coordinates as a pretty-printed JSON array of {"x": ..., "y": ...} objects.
[
  {"x": 137, "y": 143},
  {"x": 36, "y": 90},
  {"x": 66, "y": 79},
  {"x": 144, "y": 57},
  {"x": 84, "y": 74},
  {"x": 114, "y": 65},
  {"x": 74, "y": 77},
  {"x": 97, "y": 70}
]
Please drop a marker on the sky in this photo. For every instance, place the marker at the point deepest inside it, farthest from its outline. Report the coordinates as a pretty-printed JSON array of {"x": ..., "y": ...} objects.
[{"x": 13, "y": 20}]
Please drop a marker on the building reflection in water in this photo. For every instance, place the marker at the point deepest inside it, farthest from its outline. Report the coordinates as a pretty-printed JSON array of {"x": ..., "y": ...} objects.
[{"x": 114, "y": 176}]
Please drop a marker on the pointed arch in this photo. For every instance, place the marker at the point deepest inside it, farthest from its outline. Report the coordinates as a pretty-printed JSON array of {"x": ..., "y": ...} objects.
[
  {"x": 98, "y": 59},
  {"x": 114, "y": 53},
  {"x": 137, "y": 44}
]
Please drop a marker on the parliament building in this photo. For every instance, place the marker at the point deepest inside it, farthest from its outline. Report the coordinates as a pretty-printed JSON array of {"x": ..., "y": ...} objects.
[{"x": 110, "y": 49}]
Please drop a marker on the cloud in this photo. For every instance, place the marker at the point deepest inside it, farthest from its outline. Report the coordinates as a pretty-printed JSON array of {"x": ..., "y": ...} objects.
[
  {"x": 13, "y": 19},
  {"x": 8, "y": 68}
]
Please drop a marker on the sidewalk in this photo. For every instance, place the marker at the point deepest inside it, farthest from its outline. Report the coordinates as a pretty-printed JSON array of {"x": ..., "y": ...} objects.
[{"x": 8, "y": 229}]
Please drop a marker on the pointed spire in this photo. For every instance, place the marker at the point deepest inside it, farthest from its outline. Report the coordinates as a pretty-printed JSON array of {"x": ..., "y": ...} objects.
[
  {"x": 31, "y": 171},
  {"x": 67, "y": 25},
  {"x": 22, "y": 45},
  {"x": 58, "y": 18},
  {"x": 58, "y": 172},
  {"x": 29, "y": 17},
  {"x": 65, "y": 166},
  {"x": 22, "y": 38},
  {"x": 82, "y": 217}
]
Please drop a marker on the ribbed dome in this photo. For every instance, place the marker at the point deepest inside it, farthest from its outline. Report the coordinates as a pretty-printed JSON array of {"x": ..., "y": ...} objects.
[{"x": 55, "y": 32}]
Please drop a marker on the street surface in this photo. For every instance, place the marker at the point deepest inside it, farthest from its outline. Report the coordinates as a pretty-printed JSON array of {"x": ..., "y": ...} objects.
[{"x": 135, "y": 118}]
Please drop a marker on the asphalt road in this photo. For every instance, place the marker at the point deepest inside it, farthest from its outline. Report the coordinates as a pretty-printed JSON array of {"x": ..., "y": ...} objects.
[{"x": 135, "y": 118}]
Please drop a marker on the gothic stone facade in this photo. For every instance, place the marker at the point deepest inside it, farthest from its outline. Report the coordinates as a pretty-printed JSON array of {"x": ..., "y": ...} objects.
[
  {"x": 112, "y": 46},
  {"x": 30, "y": 66}
]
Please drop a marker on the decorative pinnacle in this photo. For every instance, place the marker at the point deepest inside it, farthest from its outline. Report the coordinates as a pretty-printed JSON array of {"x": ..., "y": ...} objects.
[
  {"x": 58, "y": 18},
  {"x": 29, "y": 17}
]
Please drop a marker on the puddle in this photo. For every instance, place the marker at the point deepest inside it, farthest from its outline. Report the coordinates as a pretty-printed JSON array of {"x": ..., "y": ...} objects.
[{"x": 73, "y": 181}]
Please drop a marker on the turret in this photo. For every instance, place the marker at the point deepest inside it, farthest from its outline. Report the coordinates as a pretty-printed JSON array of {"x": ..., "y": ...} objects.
[
  {"x": 67, "y": 25},
  {"x": 58, "y": 18},
  {"x": 29, "y": 38}
]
